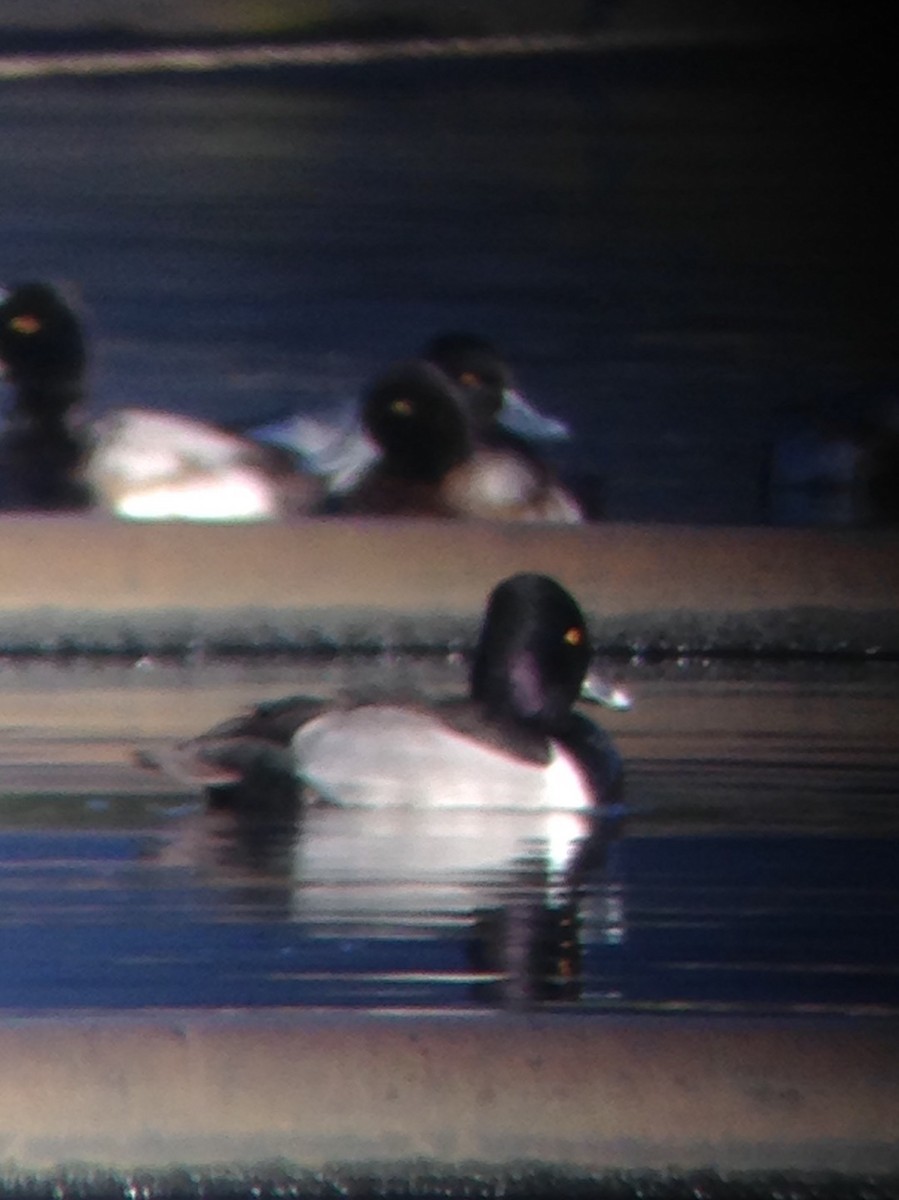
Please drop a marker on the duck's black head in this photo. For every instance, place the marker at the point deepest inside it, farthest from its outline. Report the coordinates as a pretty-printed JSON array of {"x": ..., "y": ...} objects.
[
  {"x": 415, "y": 415},
  {"x": 533, "y": 652},
  {"x": 42, "y": 347},
  {"x": 476, "y": 365}
]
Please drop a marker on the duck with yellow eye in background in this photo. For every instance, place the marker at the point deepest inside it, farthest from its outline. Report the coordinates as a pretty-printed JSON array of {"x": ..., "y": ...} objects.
[
  {"x": 42, "y": 355},
  {"x": 516, "y": 741},
  {"x": 138, "y": 463},
  {"x": 434, "y": 459},
  {"x": 336, "y": 447},
  {"x": 474, "y": 363}
]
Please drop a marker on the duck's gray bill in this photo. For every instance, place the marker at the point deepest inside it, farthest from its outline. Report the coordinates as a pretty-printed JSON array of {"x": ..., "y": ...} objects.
[{"x": 595, "y": 690}]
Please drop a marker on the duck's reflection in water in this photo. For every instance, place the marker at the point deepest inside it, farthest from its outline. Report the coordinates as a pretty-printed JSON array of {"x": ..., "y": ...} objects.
[{"x": 509, "y": 882}]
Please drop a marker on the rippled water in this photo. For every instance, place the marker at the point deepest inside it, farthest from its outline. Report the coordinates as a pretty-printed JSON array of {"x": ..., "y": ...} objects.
[{"x": 754, "y": 869}]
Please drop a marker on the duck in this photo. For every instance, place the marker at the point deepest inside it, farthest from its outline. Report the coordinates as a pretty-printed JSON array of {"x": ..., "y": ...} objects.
[
  {"x": 515, "y": 742},
  {"x": 338, "y": 448},
  {"x": 135, "y": 463},
  {"x": 42, "y": 355},
  {"x": 475, "y": 363},
  {"x": 435, "y": 458}
]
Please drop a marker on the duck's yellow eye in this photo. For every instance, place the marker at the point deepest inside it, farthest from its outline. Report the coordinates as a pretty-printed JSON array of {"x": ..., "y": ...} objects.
[
  {"x": 574, "y": 636},
  {"x": 469, "y": 379},
  {"x": 26, "y": 323},
  {"x": 402, "y": 407}
]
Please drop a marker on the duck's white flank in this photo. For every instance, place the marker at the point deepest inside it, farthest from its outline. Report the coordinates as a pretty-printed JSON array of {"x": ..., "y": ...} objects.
[
  {"x": 231, "y": 494},
  {"x": 153, "y": 466},
  {"x": 378, "y": 756},
  {"x": 143, "y": 446}
]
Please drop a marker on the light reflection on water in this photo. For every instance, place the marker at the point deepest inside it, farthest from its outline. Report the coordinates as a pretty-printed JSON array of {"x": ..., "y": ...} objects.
[{"x": 755, "y": 869}]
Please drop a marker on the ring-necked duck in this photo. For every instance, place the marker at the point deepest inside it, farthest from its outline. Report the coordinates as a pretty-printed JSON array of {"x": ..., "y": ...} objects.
[
  {"x": 476, "y": 364},
  {"x": 133, "y": 462},
  {"x": 42, "y": 355},
  {"x": 337, "y": 448},
  {"x": 516, "y": 741},
  {"x": 435, "y": 459}
]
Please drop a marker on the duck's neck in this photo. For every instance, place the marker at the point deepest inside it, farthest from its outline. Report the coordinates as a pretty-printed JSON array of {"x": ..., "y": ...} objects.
[
  {"x": 42, "y": 451},
  {"x": 515, "y": 689},
  {"x": 512, "y": 692},
  {"x": 46, "y": 405}
]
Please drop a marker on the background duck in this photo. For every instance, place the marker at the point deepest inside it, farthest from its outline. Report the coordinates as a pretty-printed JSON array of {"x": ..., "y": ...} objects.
[
  {"x": 475, "y": 363},
  {"x": 515, "y": 741},
  {"x": 339, "y": 450},
  {"x": 42, "y": 355},
  {"x": 436, "y": 459},
  {"x": 133, "y": 462},
  {"x": 421, "y": 431}
]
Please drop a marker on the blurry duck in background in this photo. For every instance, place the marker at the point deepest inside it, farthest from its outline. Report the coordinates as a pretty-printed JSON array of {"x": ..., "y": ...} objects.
[
  {"x": 812, "y": 473},
  {"x": 340, "y": 450},
  {"x": 836, "y": 462},
  {"x": 515, "y": 742},
  {"x": 497, "y": 405},
  {"x": 437, "y": 458},
  {"x": 42, "y": 356},
  {"x": 133, "y": 462},
  {"x": 422, "y": 433}
]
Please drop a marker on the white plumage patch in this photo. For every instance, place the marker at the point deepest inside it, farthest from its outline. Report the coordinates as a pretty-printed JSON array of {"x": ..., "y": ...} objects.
[
  {"x": 233, "y": 494},
  {"x": 497, "y": 485},
  {"x": 154, "y": 466},
  {"x": 142, "y": 445},
  {"x": 379, "y": 756}
]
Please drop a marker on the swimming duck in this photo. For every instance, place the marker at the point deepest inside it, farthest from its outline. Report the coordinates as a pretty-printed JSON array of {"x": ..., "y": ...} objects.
[
  {"x": 435, "y": 458},
  {"x": 339, "y": 449},
  {"x": 515, "y": 742},
  {"x": 133, "y": 462}
]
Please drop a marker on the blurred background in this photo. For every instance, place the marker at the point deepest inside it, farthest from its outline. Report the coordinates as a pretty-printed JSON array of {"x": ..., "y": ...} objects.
[{"x": 678, "y": 223}]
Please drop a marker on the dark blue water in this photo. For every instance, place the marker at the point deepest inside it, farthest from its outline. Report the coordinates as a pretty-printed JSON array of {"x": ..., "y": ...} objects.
[
  {"x": 763, "y": 925},
  {"x": 674, "y": 247}
]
